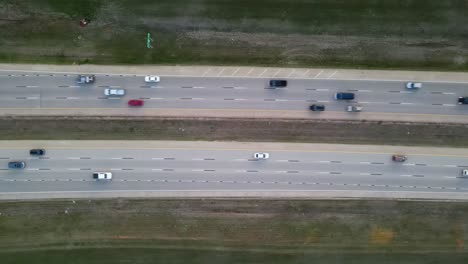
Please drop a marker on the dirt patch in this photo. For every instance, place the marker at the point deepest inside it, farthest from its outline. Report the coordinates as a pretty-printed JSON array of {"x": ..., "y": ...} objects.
[
  {"x": 359, "y": 49},
  {"x": 381, "y": 236},
  {"x": 265, "y": 130}
]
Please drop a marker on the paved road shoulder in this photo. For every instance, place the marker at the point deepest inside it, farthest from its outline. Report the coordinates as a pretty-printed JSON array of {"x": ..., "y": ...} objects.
[{"x": 244, "y": 72}]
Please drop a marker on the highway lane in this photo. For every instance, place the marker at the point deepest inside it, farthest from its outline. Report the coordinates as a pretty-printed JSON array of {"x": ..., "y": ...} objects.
[
  {"x": 60, "y": 91},
  {"x": 224, "y": 169}
]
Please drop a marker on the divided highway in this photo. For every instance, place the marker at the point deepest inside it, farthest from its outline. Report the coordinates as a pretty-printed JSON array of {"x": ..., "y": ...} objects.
[
  {"x": 228, "y": 169},
  {"x": 60, "y": 92}
]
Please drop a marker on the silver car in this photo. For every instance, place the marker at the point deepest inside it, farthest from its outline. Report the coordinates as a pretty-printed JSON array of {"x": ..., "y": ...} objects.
[
  {"x": 114, "y": 92},
  {"x": 16, "y": 165},
  {"x": 82, "y": 79}
]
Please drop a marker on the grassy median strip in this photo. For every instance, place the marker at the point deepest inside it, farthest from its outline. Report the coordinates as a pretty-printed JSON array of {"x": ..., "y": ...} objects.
[
  {"x": 232, "y": 231},
  {"x": 353, "y": 33},
  {"x": 266, "y": 130}
]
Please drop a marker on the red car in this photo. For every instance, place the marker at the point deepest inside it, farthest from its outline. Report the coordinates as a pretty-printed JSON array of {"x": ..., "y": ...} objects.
[{"x": 136, "y": 102}]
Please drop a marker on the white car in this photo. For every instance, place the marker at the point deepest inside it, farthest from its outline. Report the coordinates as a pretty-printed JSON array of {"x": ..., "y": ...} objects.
[
  {"x": 114, "y": 92},
  {"x": 464, "y": 173},
  {"x": 102, "y": 175},
  {"x": 261, "y": 156},
  {"x": 413, "y": 85},
  {"x": 152, "y": 79}
]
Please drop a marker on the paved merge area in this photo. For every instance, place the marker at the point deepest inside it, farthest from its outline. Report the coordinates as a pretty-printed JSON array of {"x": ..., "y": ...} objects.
[
  {"x": 228, "y": 169},
  {"x": 232, "y": 92},
  {"x": 242, "y": 72}
]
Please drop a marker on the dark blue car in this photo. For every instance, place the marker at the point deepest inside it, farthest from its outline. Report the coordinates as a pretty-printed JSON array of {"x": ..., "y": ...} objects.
[
  {"x": 462, "y": 100},
  {"x": 344, "y": 96},
  {"x": 317, "y": 107},
  {"x": 37, "y": 152},
  {"x": 278, "y": 83}
]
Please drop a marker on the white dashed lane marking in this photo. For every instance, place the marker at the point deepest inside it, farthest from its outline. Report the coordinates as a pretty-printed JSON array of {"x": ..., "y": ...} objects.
[
  {"x": 318, "y": 90},
  {"x": 27, "y": 97}
]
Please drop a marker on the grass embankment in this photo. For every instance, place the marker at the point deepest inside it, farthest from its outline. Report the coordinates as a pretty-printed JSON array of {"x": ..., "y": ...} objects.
[
  {"x": 230, "y": 231},
  {"x": 259, "y": 130},
  {"x": 354, "y": 33}
]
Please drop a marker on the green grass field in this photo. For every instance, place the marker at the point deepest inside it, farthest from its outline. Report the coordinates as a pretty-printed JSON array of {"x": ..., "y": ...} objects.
[
  {"x": 426, "y": 34},
  {"x": 177, "y": 256},
  {"x": 232, "y": 231}
]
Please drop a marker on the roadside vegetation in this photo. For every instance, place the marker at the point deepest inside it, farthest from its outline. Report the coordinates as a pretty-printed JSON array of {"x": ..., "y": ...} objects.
[
  {"x": 422, "y": 34},
  {"x": 232, "y": 231},
  {"x": 258, "y": 130}
]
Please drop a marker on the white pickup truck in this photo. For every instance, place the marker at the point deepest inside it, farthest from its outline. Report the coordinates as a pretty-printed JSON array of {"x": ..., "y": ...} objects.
[{"x": 354, "y": 108}]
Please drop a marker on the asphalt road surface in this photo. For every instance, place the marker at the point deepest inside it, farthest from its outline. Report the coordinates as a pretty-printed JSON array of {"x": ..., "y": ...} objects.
[
  {"x": 213, "y": 167},
  {"x": 60, "y": 91}
]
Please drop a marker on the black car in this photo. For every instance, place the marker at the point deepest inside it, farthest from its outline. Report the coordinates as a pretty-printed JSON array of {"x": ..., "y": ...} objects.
[
  {"x": 462, "y": 100},
  {"x": 16, "y": 165},
  {"x": 278, "y": 83},
  {"x": 344, "y": 96},
  {"x": 317, "y": 107},
  {"x": 37, "y": 152}
]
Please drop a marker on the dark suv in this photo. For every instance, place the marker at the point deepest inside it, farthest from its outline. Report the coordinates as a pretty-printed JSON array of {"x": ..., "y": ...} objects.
[
  {"x": 462, "y": 100},
  {"x": 37, "y": 152},
  {"x": 317, "y": 107},
  {"x": 278, "y": 83},
  {"x": 399, "y": 158},
  {"x": 344, "y": 96}
]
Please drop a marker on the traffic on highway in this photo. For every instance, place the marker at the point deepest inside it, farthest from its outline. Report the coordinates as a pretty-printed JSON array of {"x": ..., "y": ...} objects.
[
  {"x": 55, "y": 91},
  {"x": 83, "y": 168}
]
